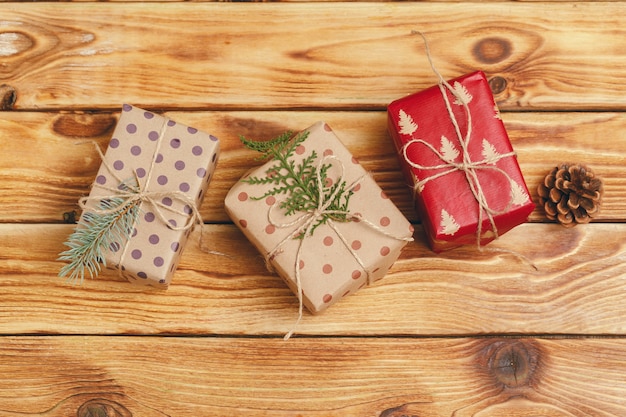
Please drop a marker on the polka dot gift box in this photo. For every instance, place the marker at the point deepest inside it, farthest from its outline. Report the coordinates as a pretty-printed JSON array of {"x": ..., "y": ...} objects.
[
  {"x": 319, "y": 219},
  {"x": 172, "y": 164},
  {"x": 456, "y": 155}
]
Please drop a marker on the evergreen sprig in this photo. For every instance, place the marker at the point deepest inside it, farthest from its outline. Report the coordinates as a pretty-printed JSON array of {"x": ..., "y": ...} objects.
[
  {"x": 96, "y": 232},
  {"x": 298, "y": 182}
]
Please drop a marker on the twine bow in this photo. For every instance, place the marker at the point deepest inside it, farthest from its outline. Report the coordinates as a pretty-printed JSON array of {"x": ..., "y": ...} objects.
[
  {"x": 304, "y": 224},
  {"x": 140, "y": 194},
  {"x": 469, "y": 167}
]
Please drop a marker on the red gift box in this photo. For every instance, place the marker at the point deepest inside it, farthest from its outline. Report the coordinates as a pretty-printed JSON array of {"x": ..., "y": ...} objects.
[{"x": 456, "y": 155}]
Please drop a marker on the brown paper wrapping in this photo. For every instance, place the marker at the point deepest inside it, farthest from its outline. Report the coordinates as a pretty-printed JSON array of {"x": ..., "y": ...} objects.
[
  {"x": 328, "y": 269},
  {"x": 166, "y": 157}
]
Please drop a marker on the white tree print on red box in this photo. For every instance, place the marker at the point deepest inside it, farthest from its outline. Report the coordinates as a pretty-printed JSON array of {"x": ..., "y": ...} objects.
[
  {"x": 455, "y": 157},
  {"x": 449, "y": 226}
]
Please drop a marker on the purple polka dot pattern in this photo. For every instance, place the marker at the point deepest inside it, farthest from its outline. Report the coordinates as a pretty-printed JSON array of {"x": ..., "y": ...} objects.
[
  {"x": 336, "y": 260},
  {"x": 182, "y": 160}
]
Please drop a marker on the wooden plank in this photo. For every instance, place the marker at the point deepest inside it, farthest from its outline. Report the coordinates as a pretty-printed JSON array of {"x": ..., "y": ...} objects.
[
  {"x": 211, "y": 345},
  {"x": 39, "y": 186},
  {"x": 128, "y": 376},
  {"x": 577, "y": 289},
  {"x": 308, "y": 55}
]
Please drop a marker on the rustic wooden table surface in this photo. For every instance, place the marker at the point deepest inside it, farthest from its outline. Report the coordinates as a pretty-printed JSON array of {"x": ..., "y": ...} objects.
[{"x": 463, "y": 333}]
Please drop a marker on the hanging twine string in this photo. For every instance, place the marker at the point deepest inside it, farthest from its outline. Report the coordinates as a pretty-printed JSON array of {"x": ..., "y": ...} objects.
[
  {"x": 304, "y": 224},
  {"x": 467, "y": 166},
  {"x": 140, "y": 194}
]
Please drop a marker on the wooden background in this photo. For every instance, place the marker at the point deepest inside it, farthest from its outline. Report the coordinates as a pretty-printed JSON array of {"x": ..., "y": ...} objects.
[{"x": 458, "y": 334}]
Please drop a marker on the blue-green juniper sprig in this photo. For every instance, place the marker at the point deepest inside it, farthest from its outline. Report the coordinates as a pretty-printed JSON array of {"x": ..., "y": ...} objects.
[{"x": 110, "y": 224}]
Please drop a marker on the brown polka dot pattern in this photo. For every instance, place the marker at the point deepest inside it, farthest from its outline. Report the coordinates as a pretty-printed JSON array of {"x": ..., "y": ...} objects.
[{"x": 329, "y": 269}]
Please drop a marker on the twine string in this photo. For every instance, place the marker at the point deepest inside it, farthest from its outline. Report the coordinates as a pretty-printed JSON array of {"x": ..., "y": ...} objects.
[
  {"x": 303, "y": 225},
  {"x": 140, "y": 194},
  {"x": 469, "y": 167}
]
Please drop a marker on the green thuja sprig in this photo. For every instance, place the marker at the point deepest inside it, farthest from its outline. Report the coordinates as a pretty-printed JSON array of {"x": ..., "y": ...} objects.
[
  {"x": 298, "y": 181},
  {"x": 97, "y": 231}
]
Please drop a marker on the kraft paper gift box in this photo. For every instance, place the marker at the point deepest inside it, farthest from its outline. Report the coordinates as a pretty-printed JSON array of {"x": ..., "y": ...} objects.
[
  {"x": 457, "y": 158},
  {"x": 173, "y": 164},
  {"x": 337, "y": 257}
]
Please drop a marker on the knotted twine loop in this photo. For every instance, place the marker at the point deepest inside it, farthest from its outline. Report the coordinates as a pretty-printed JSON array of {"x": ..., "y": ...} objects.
[
  {"x": 304, "y": 224},
  {"x": 467, "y": 166},
  {"x": 139, "y": 194}
]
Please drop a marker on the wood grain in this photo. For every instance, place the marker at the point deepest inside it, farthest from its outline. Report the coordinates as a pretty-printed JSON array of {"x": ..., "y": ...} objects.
[
  {"x": 577, "y": 289},
  {"x": 464, "y": 333},
  {"x": 47, "y": 160},
  {"x": 308, "y": 55},
  {"x": 139, "y": 376}
]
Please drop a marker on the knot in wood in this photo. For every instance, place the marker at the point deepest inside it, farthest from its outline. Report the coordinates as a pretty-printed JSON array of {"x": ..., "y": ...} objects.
[
  {"x": 492, "y": 50},
  {"x": 8, "y": 97},
  {"x": 69, "y": 217},
  {"x": 102, "y": 408},
  {"x": 404, "y": 410},
  {"x": 513, "y": 363},
  {"x": 84, "y": 125},
  {"x": 497, "y": 84}
]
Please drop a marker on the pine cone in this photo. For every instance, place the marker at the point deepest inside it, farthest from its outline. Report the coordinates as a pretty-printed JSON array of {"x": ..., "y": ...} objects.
[{"x": 571, "y": 194}]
